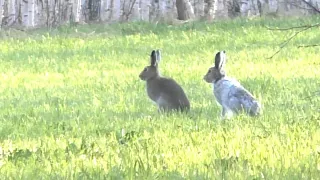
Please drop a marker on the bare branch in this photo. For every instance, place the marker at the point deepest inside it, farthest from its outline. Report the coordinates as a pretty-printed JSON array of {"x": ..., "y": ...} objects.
[
  {"x": 311, "y": 5},
  {"x": 294, "y": 27},
  {"x": 130, "y": 9},
  {"x": 310, "y": 45},
  {"x": 288, "y": 40},
  {"x": 299, "y": 6}
]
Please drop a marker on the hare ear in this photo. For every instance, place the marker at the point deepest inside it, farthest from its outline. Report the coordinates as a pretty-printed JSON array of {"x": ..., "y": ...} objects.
[
  {"x": 158, "y": 56},
  {"x": 220, "y": 60},
  {"x": 153, "y": 58}
]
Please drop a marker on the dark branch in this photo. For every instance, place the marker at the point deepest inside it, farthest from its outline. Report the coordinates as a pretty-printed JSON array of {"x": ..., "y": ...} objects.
[
  {"x": 310, "y": 45},
  {"x": 288, "y": 40},
  {"x": 294, "y": 27},
  {"x": 298, "y": 6},
  {"x": 130, "y": 9},
  {"x": 299, "y": 30},
  {"x": 311, "y": 6}
]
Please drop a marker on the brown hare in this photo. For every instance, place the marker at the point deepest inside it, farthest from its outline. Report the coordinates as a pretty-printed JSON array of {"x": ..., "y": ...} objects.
[{"x": 165, "y": 92}]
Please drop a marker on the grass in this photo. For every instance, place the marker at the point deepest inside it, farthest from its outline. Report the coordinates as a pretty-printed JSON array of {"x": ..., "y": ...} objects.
[{"x": 73, "y": 107}]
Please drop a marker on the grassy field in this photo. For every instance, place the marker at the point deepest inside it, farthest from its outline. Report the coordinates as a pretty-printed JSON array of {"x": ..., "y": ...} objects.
[{"x": 73, "y": 107}]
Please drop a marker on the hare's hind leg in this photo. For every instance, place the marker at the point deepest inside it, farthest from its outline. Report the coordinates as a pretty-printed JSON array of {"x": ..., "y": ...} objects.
[
  {"x": 255, "y": 109},
  {"x": 226, "y": 113}
]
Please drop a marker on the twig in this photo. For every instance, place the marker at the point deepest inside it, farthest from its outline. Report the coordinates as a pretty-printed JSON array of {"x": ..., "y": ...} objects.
[
  {"x": 130, "y": 9},
  {"x": 298, "y": 6},
  {"x": 301, "y": 29},
  {"x": 316, "y": 93},
  {"x": 288, "y": 40},
  {"x": 311, "y": 5},
  {"x": 310, "y": 45},
  {"x": 294, "y": 27}
]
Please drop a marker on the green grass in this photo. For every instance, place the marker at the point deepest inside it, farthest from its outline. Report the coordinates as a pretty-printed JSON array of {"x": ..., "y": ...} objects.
[{"x": 73, "y": 107}]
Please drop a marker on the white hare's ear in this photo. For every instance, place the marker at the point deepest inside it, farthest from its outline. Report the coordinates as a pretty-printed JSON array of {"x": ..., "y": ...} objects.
[
  {"x": 153, "y": 58},
  {"x": 158, "y": 52},
  {"x": 220, "y": 60}
]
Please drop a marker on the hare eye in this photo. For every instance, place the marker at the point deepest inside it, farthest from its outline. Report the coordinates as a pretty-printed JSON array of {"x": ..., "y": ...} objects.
[
  {"x": 145, "y": 69},
  {"x": 209, "y": 71}
]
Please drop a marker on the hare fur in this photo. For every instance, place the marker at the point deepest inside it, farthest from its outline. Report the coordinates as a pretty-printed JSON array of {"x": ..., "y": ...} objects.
[
  {"x": 165, "y": 92},
  {"x": 229, "y": 93}
]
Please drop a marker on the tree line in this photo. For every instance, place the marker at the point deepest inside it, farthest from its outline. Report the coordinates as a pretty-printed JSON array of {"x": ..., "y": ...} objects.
[{"x": 52, "y": 13}]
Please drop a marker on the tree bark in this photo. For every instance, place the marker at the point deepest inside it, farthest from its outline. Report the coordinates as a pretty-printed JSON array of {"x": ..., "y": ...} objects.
[
  {"x": 1, "y": 13},
  {"x": 209, "y": 10},
  {"x": 31, "y": 10},
  {"x": 220, "y": 9},
  {"x": 199, "y": 8},
  {"x": 185, "y": 10},
  {"x": 31, "y": 13},
  {"x": 144, "y": 10},
  {"x": 76, "y": 10},
  {"x": 116, "y": 10},
  {"x": 11, "y": 12}
]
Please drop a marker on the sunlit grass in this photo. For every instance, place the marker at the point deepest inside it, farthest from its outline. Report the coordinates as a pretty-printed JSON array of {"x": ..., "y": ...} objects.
[{"x": 72, "y": 105}]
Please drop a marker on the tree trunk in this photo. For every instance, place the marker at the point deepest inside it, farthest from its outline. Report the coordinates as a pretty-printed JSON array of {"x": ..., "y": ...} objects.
[
  {"x": 199, "y": 8},
  {"x": 1, "y": 12},
  {"x": 31, "y": 13},
  {"x": 24, "y": 13},
  {"x": 144, "y": 9},
  {"x": 76, "y": 10},
  {"x": 104, "y": 10},
  {"x": 220, "y": 9},
  {"x": 31, "y": 8},
  {"x": 11, "y": 17},
  {"x": 134, "y": 11},
  {"x": 209, "y": 10},
  {"x": 185, "y": 10},
  {"x": 115, "y": 8}
]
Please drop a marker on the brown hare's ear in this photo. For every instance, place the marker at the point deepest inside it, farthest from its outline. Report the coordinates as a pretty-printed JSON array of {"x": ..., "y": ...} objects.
[
  {"x": 153, "y": 58},
  {"x": 220, "y": 60}
]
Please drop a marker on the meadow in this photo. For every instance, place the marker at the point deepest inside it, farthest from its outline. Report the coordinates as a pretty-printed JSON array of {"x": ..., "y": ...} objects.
[{"x": 73, "y": 106}]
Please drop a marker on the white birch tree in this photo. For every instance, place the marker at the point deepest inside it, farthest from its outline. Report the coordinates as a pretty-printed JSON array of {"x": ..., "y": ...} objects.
[
  {"x": 32, "y": 13},
  {"x": 12, "y": 14},
  {"x": 1, "y": 12},
  {"x": 220, "y": 9},
  {"x": 77, "y": 10},
  {"x": 185, "y": 10},
  {"x": 144, "y": 9}
]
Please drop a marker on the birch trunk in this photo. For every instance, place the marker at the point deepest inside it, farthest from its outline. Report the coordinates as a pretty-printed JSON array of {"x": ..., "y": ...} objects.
[
  {"x": 144, "y": 9},
  {"x": 220, "y": 9},
  {"x": 249, "y": 8},
  {"x": 162, "y": 10},
  {"x": 11, "y": 12},
  {"x": 76, "y": 10},
  {"x": 134, "y": 11},
  {"x": 115, "y": 10},
  {"x": 189, "y": 9},
  {"x": 185, "y": 10},
  {"x": 24, "y": 13},
  {"x": 274, "y": 5},
  {"x": 1, "y": 13},
  {"x": 199, "y": 9},
  {"x": 209, "y": 10},
  {"x": 31, "y": 13},
  {"x": 104, "y": 10},
  {"x": 31, "y": 4}
]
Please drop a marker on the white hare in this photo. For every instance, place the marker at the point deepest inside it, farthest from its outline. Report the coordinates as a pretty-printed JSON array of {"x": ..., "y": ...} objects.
[
  {"x": 165, "y": 92},
  {"x": 229, "y": 93}
]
